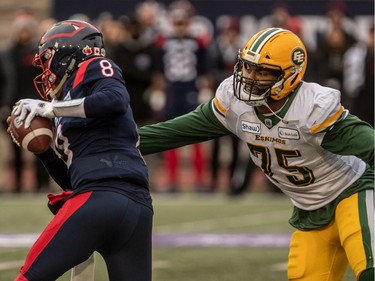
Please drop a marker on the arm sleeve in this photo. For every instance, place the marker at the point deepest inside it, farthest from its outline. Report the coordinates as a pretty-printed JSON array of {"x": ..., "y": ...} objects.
[
  {"x": 351, "y": 136},
  {"x": 197, "y": 126},
  {"x": 107, "y": 97},
  {"x": 56, "y": 168},
  {"x": 103, "y": 91}
]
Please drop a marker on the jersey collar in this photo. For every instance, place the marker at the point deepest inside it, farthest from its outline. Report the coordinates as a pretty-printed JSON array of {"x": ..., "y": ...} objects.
[{"x": 271, "y": 120}]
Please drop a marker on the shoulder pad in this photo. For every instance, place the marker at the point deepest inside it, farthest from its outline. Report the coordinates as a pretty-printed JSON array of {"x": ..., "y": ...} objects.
[
  {"x": 326, "y": 110},
  {"x": 95, "y": 69}
]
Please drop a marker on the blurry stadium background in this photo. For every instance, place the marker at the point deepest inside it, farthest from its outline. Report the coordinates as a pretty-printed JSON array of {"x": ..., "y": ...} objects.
[
  {"x": 250, "y": 11},
  {"x": 210, "y": 237}
]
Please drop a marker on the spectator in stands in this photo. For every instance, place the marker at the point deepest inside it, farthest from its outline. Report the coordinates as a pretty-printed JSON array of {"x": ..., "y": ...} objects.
[
  {"x": 337, "y": 18},
  {"x": 281, "y": 17},
  {"x": 113, "y": 31},
  {"x": 332, "y": 44},
  {"x": 45, "y": 25},
  {"x": 4, "y": 110},
  {"x": 181, "y": 66},
  {"x": 135, "y": 55},
  {"x": 359, "y": 78},
  {"x": 225, "y": 46},
  {"x": 151, "y": 17},
  {"x": 224, "y": 57},
  {"x": 17, "y": 60}
]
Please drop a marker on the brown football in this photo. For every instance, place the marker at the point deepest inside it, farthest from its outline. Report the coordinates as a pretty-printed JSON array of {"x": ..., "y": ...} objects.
[{"x": 37, "y": 138}]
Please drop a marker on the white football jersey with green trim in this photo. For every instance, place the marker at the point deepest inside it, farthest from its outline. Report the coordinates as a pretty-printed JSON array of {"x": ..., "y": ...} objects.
[{"x": 289, "y": 151}]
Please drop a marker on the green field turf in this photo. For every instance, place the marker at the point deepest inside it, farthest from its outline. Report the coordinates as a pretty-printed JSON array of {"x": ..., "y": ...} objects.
[{"x": 254, "y": 213}]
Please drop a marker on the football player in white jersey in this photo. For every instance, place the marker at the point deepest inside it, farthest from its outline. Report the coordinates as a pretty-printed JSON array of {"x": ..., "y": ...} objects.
[{"x": 307, "y": 144}]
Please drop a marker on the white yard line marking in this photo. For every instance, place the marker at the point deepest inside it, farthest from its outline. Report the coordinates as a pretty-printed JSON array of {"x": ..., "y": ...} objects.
[
  {"x": 185, "y": 240},
  {"x": 222, "y": 240},
  {"x": 17, "y": 240}
]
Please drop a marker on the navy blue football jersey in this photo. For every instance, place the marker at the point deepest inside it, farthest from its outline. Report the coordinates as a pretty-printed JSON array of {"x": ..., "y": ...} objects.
[{"x": 100, "y": 151}]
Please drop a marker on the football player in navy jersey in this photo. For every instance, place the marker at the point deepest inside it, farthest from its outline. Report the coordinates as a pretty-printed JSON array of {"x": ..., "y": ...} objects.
[{"x": 107, "y": 205}]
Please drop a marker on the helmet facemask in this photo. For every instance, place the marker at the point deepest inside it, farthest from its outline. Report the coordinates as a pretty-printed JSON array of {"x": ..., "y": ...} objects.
[
  {"x": 253, "y": 91},
  {"x": 56, "y": 69},
  {"x": 44, "y": 81}
]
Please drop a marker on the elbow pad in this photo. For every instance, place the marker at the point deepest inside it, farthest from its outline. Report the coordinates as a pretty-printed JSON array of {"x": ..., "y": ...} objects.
[{"x": 70, "y": 108}]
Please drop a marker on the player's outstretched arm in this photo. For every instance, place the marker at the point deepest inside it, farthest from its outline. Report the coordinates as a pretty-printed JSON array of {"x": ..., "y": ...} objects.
[{"x": 197, "y": 126}]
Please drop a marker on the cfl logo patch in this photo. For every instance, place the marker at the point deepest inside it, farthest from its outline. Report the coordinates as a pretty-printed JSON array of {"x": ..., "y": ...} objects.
[{"x": 298, "y": 56}]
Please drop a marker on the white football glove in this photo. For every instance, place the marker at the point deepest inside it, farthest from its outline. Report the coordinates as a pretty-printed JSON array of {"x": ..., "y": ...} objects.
[{"x": 27, "y": 109}]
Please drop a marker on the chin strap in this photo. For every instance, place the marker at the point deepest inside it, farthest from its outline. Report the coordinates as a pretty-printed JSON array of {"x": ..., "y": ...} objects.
[
  {"x": 281, "y": 119},
  {"x": 55, "y": 93}
]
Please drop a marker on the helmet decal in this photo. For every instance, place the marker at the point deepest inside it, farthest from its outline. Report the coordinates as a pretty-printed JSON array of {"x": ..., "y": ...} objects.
[
  {"x": 253, "y": 52},
  {"x": 298, "y": 56},
  {"x": 76, "y": 27},
  {"x": 87, "y": 50},
  {"x": 259, "y": 43}
]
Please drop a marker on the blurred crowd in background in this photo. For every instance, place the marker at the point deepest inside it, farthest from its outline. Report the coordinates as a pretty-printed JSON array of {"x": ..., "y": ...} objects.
[{"x": 172, "y": 59}]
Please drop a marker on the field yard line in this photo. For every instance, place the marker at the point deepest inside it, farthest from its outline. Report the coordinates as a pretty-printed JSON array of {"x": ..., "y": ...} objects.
[
  {"x": 227, "y": 222},
  {"x": 17, "y": 240},
  {"x": 187, "y": 240},
  {"x": 10, "y": 264}
]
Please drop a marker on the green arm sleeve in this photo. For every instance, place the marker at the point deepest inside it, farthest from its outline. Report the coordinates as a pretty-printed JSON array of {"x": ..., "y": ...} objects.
[
  {"x": 197, "y": 126},
  {"x": 351, "y": 136}
]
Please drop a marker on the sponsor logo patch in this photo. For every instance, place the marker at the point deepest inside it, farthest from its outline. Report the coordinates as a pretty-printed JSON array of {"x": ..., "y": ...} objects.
[
  {"x": 286, "y": 133},
  {"x": 253, "y": 128}
]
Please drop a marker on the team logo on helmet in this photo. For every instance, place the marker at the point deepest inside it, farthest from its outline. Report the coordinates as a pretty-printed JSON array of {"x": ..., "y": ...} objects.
[
  {"x": 87, "y": 50},
  {"x": 298, "y": 56},
  {"x": 97, "y": 51}
]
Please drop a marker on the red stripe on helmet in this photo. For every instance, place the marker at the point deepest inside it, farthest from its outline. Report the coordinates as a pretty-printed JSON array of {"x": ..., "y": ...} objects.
[{"x": 80, "y": 26}]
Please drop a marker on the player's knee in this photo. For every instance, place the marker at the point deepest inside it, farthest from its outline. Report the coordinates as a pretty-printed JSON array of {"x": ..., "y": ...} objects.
[{"x": 367, "y": 275}]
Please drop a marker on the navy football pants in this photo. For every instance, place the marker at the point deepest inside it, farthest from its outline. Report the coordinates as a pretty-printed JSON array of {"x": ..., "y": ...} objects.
[{"x": 117, "y": 227}]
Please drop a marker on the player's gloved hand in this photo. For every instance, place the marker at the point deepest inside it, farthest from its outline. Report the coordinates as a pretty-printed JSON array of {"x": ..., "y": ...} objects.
[{"x": 27, "y": 109}]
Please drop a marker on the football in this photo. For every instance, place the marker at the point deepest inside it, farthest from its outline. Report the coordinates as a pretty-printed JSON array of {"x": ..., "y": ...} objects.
[{"x": 37, "y": 138}]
